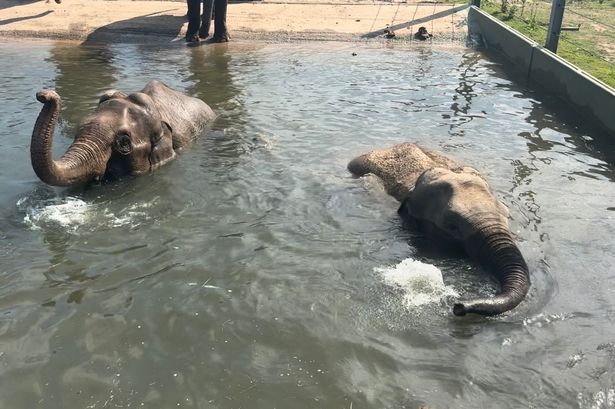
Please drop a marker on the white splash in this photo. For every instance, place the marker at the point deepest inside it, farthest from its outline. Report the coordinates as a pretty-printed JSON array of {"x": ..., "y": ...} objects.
[
  {"x": 603, "y": 399},
  {"x": 421, "y": 283},
  {"x": 70, "y": 213},
  {"x": 67, "y": 212},
  {"x": 542, "y": 319},
  {"x": 130, "y": 215}
]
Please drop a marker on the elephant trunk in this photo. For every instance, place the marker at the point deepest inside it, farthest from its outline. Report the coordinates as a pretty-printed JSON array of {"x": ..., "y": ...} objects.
[
  {"x": 83, "y": 161},
  {"x": 499, "y": 254}
]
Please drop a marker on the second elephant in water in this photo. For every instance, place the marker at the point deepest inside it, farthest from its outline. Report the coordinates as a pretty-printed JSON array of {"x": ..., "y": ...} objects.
[
  {"x": 125, "y": 135},
  {"x": 453, "y": 203}
]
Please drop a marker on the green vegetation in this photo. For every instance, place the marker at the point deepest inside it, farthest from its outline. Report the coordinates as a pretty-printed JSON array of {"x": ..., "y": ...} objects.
[{"x": 591, "y": 47}]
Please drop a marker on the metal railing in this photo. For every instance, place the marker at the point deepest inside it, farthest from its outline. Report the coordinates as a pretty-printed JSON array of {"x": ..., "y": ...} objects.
[{"x": 581, "y": 31}]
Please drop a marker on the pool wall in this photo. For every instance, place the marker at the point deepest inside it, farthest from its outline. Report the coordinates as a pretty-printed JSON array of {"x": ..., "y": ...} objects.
[{"x": 594, "y": 100}]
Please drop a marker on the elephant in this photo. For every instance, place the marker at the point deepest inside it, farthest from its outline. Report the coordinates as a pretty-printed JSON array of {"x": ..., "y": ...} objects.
[
  {"x": 125, "y": 135},
  {"x": 453, "y": 204}
]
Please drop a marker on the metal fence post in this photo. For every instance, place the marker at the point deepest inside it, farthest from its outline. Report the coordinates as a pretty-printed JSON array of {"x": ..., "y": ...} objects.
[{"x": 555, "y": 24}]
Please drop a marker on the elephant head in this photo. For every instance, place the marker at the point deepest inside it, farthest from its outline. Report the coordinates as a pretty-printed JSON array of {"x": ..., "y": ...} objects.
[
  {"x": 454, "y": 204},
  {"x": 125, "y": 135}
]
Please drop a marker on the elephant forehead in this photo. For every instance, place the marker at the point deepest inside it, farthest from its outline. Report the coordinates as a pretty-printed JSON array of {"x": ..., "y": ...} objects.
[
  {"x": 465, "y": 188},
  {"x": 122, "y": 114},
  {"x": 464, "y": 178},
  {"x": 121, "y": 107}
]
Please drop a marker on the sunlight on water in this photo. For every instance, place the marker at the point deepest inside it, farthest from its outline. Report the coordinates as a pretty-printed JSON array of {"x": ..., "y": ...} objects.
[
  {"x": 604, "y": 399},
  {"x": 421, "y": 283},
  {"x": 542, "y": 319},
  {"x": 252, "y": 255}
]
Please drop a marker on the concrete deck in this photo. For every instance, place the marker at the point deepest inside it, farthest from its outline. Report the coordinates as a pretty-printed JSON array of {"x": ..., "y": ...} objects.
[{"x": 264, "y": 20}]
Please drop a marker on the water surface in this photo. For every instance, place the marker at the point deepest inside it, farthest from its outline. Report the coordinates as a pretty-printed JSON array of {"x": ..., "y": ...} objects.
[{"x": 249, "y": 272}]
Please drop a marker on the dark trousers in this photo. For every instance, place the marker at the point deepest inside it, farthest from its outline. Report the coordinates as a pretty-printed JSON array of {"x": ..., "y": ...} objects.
[{"x": 201, "y": 24}]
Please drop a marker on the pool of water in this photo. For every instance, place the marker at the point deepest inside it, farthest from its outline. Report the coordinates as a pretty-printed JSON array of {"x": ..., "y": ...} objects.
[{"x": 255, "y": 272}]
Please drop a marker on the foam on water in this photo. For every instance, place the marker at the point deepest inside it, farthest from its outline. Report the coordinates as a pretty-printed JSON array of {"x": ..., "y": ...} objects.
[
  {"x": 70, "y": 213},
  {"x": 603, "y": 399},
  {"x": 421, "y": 283}
]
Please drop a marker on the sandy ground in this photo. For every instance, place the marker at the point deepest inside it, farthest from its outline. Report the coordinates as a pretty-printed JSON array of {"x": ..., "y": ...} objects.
[{"x": 104, "y": 20}]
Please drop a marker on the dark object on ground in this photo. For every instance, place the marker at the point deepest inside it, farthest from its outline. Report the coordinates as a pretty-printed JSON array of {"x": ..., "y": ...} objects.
[
  {"x": 221, "y": 39},
  {"x": 193, "y": 40},
  {"x": 572, "y": 28},
  {"x": 389, "y": 33},
  {"x": 199, "y": 25},
  {"x": 422, "y": 34}
]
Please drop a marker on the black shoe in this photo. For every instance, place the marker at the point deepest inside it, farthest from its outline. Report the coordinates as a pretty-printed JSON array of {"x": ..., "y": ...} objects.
[
  {"x": 219, "y": 38},
  {"x": 193, "y": 39}
]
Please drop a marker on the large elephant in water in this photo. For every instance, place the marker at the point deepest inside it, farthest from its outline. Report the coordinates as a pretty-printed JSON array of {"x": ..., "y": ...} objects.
[
  {"x": 453, "y": 203},
  {"x": 125, "y": 135}
]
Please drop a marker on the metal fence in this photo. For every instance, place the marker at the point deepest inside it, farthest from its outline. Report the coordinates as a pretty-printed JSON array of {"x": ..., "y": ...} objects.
[{"x": 581, "y": 31}]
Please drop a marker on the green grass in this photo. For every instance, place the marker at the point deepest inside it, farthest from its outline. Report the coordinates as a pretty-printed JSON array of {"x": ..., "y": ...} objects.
[{"x": 592, "y": 48}]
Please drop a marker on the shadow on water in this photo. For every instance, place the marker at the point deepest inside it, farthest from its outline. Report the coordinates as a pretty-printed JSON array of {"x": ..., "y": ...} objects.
[
  {"x": 213, "y": 82},
  {"x": 599, "y": 144},
  {"x": 550, "y": 112},
  {"x": 211, "y": 70}
]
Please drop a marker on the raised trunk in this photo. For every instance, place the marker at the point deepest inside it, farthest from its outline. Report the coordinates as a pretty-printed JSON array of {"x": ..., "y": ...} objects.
[
  {"x": 81, "y": 163},
  {"x": 499, "y": 254}
]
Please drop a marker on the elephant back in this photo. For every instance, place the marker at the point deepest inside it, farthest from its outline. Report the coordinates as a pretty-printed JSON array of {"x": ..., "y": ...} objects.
[{"x": 186, "y": 115}]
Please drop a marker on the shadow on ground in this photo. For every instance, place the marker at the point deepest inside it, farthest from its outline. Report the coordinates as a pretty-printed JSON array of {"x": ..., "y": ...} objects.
[
  {"x": 5, "y": 4},
  {"x": 16, "y": 19},
  {"x": 156, "y": 24}
]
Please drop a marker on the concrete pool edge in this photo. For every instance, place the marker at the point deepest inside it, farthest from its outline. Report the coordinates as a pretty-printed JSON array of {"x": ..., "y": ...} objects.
[{"x": 591, "y": 98}]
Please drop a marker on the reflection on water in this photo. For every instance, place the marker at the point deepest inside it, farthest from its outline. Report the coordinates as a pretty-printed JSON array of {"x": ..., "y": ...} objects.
[
  {"x": 77, "y": 82},
  {"x": 242, "y": 274}
]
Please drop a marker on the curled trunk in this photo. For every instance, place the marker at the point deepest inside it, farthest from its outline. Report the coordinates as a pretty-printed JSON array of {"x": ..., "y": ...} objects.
[
  {"x": 84, "y": 160},
  {"x": 498, "y": 253}
]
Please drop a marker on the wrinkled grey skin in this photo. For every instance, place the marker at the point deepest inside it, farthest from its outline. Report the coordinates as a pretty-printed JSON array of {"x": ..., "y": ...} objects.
[
  {"x": 455, "y": 204},
  {"x": 125, "y": 135}
]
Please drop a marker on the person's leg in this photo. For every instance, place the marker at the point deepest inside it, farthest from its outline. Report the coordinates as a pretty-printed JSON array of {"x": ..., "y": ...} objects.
[
  {"x": 194, "y": 19},
  {"x": 220, "y": 31},
  {"x": 208, "y": 6}
]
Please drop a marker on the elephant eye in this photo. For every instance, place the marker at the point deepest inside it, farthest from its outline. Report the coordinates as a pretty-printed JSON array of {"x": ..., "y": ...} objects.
[{"x": 123, "y": 144}]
